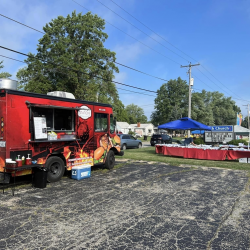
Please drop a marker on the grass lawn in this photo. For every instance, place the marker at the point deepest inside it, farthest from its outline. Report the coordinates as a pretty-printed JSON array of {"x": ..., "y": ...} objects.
[
  {"x": 148, "y": 154},
  {"x": 142, "y": 138}
]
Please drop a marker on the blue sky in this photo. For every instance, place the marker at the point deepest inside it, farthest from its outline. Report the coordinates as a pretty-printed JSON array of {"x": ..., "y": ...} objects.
[{"x": 214, "y": 33}]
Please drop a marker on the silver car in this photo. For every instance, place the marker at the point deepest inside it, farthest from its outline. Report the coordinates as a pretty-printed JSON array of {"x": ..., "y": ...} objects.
[{"x": 128, "y": 141}]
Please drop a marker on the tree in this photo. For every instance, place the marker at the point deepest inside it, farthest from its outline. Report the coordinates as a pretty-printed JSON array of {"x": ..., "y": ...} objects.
[
  {"x": 213, "y": 108},
  {"x": 71, "y": 57},
  {"x": 201, "y": 110},
  {"x": 245, "y": 122},
  {"x": 120, "y": 112},
  {"x": 171, "y": 102},
  {"x": 4, "y": 74},
  {"x": 135, "y": 114}
]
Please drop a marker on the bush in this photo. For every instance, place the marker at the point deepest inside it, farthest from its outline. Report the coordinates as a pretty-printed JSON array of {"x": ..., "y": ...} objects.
[
  {"x": 199, "y": 141},
  {"x": 236, "y": 142},
  {"x": 131, "y": 133}
]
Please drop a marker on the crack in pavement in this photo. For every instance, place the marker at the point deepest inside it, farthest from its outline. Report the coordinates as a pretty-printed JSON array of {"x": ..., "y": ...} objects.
[
  {"x": 137, "y": 206},
  {"x": 229, "y": 213}
]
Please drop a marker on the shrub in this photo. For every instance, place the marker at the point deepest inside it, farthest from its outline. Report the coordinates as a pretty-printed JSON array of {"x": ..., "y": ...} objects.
[
  {"x": 199, "y": 141},
  {"x": 236, "y": 142},
  {"x": 131, "y": 133}
]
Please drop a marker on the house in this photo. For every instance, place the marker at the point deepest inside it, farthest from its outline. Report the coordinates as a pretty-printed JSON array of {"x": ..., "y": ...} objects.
[
  {"x": 123, "y": 127},
  {"x": 142, "y": 129}
]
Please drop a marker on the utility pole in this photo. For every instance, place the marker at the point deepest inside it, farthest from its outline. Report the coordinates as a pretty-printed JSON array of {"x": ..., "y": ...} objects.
[
  {"x": 190, "y": 90},
  {"x": 248, "y": 115}
]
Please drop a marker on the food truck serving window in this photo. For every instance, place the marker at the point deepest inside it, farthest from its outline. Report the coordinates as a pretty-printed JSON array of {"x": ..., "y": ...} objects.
[
  {"x": 57, "y": 119},
  {"x": 101, "y": 122}
]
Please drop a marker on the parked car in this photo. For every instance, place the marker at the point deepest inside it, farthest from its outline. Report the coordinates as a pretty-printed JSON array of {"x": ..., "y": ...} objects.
[
  {"x": 160, "y": 139},
  {"x": 129, "y": 141}
]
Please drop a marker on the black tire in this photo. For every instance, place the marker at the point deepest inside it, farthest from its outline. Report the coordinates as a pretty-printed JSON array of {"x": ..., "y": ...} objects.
[
  {"x": 55, "y": 167},
  {"x": 110, "y": 160},
  {"x": 124, "y": 147},
  {"x": 139, "y": 145},
  {"x": 152, "y": 144}
]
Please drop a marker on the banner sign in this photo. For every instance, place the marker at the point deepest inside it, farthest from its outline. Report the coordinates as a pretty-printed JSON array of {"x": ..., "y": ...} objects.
[
  {"x": 239, "y": 118},
  {"x": 222, "y": 128}
]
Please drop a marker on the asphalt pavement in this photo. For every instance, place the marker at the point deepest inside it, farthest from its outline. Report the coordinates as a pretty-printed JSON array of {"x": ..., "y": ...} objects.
[{"x": 140, "y": 205}]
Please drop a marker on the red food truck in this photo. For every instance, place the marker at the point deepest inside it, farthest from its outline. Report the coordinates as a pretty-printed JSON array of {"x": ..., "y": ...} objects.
[{"x": 56, "y": 132}]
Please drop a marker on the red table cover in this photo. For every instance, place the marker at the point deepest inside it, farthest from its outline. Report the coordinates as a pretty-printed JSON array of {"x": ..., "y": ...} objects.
[
  {"x": 158, "y": 149},
  {"x": 233, "y": 154},
  {"x": 197, "y": 153},
  {"x": 173, "y": 151},
  {"x": 208, "y": 154}
]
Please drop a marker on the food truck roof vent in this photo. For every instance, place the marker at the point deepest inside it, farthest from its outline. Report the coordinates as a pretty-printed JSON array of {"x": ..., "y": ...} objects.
[
  {"x": 6, "y": 83},
  {"x": 61, "y": 94}
]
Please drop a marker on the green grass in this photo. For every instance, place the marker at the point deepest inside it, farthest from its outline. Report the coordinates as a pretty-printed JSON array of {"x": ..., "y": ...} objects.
[
  {"x": 142, "y": 139},
  {"x": 148, "y": 154}
]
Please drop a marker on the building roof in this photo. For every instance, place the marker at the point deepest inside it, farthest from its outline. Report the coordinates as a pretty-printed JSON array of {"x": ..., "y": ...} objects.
[
  {"x": 122, "y": 125},
  {"x": 142, "y": 125},
  {"x": 239, "y": 129}
]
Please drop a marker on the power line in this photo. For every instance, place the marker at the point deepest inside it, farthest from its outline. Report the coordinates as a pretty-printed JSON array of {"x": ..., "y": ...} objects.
[
  {"x": 13, "y": 59},
  {"x": 217, "y": 84},
  {"x": 21, "y": 23},
  {"x": 164, "y": 40},
  {"x": 222, "y": 93},
  {"x": 116, "y": 87},
  {"x": 152, "y": 30},
  {"x": 141, "y": 72},
  {"x": 65, "y": 73},
  {"x": 79, "y": 71},
  {"x": 133, "y": 37},
  {"x": 140, "y": 30},
  {"x": 114, "y": 62},
  {"x": 135, "y": 92}
]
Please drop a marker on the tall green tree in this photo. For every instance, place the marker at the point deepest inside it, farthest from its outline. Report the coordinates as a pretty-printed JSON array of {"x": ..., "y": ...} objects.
[
  {"x": 171, "y": 102},
  {"x": 201, "y": 110},
  {"x": 71, "y": 57},
  {"x": 4, "y": 74},
  {"x": 213, "y": 108},
  {"x": 120, "y": 112},
  {"x": 135, "y": 114}
]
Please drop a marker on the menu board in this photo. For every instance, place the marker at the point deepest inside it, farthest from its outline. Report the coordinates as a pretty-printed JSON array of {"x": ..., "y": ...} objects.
[
  {"x": 40, "y": 127},
  {"x": 218, "y": 137}
]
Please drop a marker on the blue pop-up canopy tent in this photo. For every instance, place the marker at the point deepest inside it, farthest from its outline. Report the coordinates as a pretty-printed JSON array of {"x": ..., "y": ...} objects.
[{"x": 184, "y": 123}]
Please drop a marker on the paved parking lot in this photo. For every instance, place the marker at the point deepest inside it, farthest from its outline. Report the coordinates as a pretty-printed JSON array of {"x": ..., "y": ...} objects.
[{"x": 139, "y": 205}]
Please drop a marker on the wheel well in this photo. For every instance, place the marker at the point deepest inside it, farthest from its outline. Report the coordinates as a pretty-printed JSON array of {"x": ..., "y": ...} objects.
[
  {"x": 58, "y": 155},
  {"x": 115, "y": 150}
]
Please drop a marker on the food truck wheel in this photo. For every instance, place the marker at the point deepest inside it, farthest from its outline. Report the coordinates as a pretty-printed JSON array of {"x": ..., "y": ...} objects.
[
  {"x": 110, "y": 160},
  {"x": 55, "y": 166}
]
